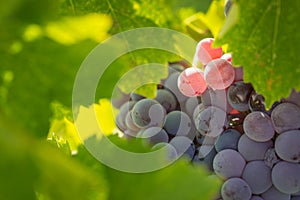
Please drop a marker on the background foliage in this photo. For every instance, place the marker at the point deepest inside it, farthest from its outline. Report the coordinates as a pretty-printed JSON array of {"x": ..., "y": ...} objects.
[{"x": 42, "y": 46}]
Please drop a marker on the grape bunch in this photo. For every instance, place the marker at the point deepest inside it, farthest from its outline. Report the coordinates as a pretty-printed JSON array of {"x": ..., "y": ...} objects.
[{"x": 215, "y": 119}]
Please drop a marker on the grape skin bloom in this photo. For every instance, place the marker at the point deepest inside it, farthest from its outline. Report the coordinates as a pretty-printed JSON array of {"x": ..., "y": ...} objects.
[
  {"x": 219, "y": 74},
  {"x": 258, "y": 126},
  {"x": 191, "y": 82}
]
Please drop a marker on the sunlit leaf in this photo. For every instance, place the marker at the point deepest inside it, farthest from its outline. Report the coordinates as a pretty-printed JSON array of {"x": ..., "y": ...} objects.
[{"x": 264, "y": 39}]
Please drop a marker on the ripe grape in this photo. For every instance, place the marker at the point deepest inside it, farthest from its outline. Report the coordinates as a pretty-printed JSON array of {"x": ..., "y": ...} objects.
[
  {"x": 227, "y": 57},
  {"x": 206, "y": 158},
  {"x": 130, "y": 124},
  {"x": 217, "y": 98},
  {"x": 286, "y": 177},
  {"x": 171, "y": 153},
  {"x": 274, "y": 194},
  {"x": 287, "y": 146},
  {"x": 121, "y": 117},
  {"x": 183, "y": 146},
  {"x": 211, "y": 121},
  {"x": 119, "y": 98},
  {"x": 154, "y": 135},
  {"x": 258, "y": 126},
  {"x": 239, "y": 94},
  {"x": 166, "y": 99},
  {"x": 148, "y": 112},
  {"x": 191, "y": 82},
  {"x": 257, "y": 102},
  {"x": 252, "y": 150},
  {"x": 205, "y": 52},
  {"x": 177, "y": 123},
  {"x": 295, "y": 198},
  {"x": 228, "y": 140},
  {"x": 258, "y": 175},
  {"x": 238, "y": 74},
  {"x": 286, "y": 116},
  {"x": 190, "y": 105},
  {"x": 219, "y": 74},
  {"x": 171, "y": 84},
  {"x": 199, "y": 108},
  {"x": 236, "y": 189},
  {"x": 228, "y": 163},
  {"x": 136, "y": 97}
]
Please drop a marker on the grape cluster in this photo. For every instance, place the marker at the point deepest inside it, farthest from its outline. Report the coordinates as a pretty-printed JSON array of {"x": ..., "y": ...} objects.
[
  {"x": 214, "y": 118},
  {"x": 256, "y": 151}
]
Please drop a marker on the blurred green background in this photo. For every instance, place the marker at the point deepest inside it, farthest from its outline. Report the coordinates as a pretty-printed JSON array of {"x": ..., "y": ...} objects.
[{"x": 42, "y": 44}]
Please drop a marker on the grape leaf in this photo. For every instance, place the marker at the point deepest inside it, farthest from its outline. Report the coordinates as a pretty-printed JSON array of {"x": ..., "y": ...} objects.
[
  {"x": 178, "y": 181},
  {"x": 264, "y": 38},
  {"x": 32, "y": 169}
]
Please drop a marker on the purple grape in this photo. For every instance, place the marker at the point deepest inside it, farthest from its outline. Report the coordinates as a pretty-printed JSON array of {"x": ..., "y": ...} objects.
[
  {"x": 199, "y": 108},
  {"x": 258, "y": 175},
  {"x": 130, "y": 124},
  {"x": 183, "y": 146},
  {"x": 257, "y": 102},
  {"x": 274, "y": 194},
  {"x": 154, "y": 135},
  {"x": 258, "y": 126},
  {"x": 136, "y": 97},
  {"x": 190, "y": 105},
  {"x": 211, "y": 121},
  {"x": 228, "y": 140},
  {"x": 239, "y": 74},
  {"x": 206, "y": 158},
  {"x": 177, "y": 123},
  {"x": 295, "y": 198},
  {"x": 236, "y": 189},
  {"x": 286, "y": 116},
  {"x": 229, "y": 163},
  {"x": 119, "y": 98},
  {"x": 148, "y": 112},
  {"x": 171, "y": 153},
  {"x": 217, "y": 98},
  {"x": 286, "y": 177},
  {"x": 166, "y": 99},
  {"x": 238, "y": 95},
  {"x": 121, "y": 117},
  {"x": 252, "y": 150},
  {"x": 171, "y": 84},
  {"x": 287, "y": 146}
]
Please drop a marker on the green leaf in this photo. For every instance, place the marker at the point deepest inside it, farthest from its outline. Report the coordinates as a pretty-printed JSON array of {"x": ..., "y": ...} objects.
[
  {"x": 264, "y": 38},
  {"x": 181, "y": 180},
  {"x": 31, "y": 169}
]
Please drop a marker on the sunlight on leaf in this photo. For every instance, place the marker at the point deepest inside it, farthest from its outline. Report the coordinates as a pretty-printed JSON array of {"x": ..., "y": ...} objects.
[
  {"x": 64, "y": 130},
  {"x": 32, "y": 32},
  {"x": 72, "y": 30},
  {"x": 106, "y": 114},
  {"x": 87, "y": 124},
  {"x": 212, "y": 20}
]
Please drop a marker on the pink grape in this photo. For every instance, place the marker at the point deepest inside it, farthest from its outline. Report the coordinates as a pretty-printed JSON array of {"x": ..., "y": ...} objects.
[
  {"x": 219, "y": 74},
  {"x": 205, "y": 52},
  {"x": 227, "y": 56},
  {"x": 191, "y": 82}
]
